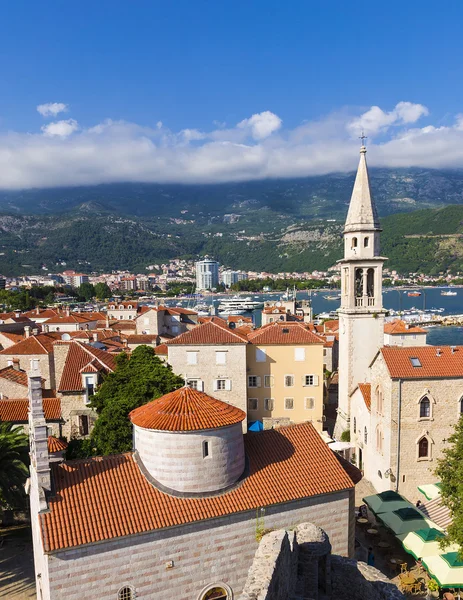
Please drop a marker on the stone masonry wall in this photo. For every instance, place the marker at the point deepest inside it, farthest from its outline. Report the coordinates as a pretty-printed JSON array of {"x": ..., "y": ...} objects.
[{"x": 204, "y": 553}]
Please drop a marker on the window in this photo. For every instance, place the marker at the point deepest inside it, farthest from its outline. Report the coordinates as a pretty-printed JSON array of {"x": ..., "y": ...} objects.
[
  {"x": 415, "y": 361},
  {"x": 299, "y": 354},
  {"x": 310, "y": 380},
  {"x": 253, "y": 381},
  {"x": 253, "y": 403},
  {"x": 220, "y": 384},
  {"x": 289, "y": 380},
  {"x": 379, "y": 399},
  {"x": 379, "y": 440},
  {"x": 220, "y": 358},
  {"x": 268, "y": 381},
  {"x": 461, "y": 406},
  {"x": 195, "y": 384},
  {"x": 365, "y": 436},
  {"x": 355, "y": 425},
  {"x": 354, "y": 242},
  {"x": 216, "y": 593},
  {"x": 89, "y": 387},
  {"x": 425, "y": 408},
  {"x": 192, "y": 358},
  {"x": 289, "y": 403},
  {"x": 260, "y": 355},
  {"x": 309, "y": 403},
  {"x": 206, "y": 449},
  {"x": 269, "y": 403},
  {"x": 423, "y": 448},
  {"x": 126, "y": 593},
  {"x": 366, "y": 242},
  {"x": 83, "y": 425}
]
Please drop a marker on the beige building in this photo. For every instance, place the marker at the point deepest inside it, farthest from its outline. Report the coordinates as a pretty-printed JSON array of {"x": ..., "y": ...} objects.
[
  {"x": 164, "y": 320},
  {"x": 285, "y": 374},
  {"x": 212, "y": 359},
  {"x": 416, "y": 397},
  {"x": 400, "y": 333},
  {"x": 123, "y": 311}
]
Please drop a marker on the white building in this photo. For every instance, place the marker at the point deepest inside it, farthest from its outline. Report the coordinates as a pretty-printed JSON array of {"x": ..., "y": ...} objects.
[
  {"x": 361, "y": 315},
  {"x": 230, "y": 277},
  {"x": 207, "y": 274}
]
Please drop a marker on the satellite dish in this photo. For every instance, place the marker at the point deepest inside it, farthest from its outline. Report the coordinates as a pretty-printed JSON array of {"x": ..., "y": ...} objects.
[
  {"x": 66, "y": 337},
  {"x": 278, "y": 304}
]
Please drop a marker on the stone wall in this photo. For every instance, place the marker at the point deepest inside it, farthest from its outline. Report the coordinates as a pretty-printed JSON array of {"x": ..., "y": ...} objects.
[
  {"x": 203, "y": 554},
  {"x": 297, "y": 564}
]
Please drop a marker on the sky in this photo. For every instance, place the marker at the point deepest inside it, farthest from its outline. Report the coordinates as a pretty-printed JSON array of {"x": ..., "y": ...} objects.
[{"x": 226, "y": 90}]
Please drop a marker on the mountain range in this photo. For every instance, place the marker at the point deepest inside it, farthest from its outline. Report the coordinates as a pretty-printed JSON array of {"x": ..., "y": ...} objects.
[{"x": 272, "y": 225}]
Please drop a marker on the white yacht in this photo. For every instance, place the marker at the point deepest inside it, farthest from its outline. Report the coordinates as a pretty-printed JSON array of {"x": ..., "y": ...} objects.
[{"x": 239, "y": 303}]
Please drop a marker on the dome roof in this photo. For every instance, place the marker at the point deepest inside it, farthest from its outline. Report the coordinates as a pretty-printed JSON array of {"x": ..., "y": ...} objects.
[
  {"x": 56, "y": 445},
  {"x": 186, "y": 410}
]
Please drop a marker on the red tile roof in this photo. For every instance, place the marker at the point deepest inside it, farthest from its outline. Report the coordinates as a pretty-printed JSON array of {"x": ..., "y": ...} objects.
[
  {"x": 79, "y": 356},
  {"x": 42, "y": 313},
  {"x": 213, "y": 333},
  {"x": 365, "y": 389},
  {"x": 161, "y": 349},
  {"x": 435, "y": 362},
  {"x": 73, "y": 318},
  {"x": 143, "y": 338},
  {"x": 107, "y": 497},
  {"x": 281, "y": 332},
  {"x": 400, "y": 327},
  {"x": 186, "y": 409},
  {"x": 35, "y": 344},
  {"x": 14, "y": 375},
  {"x": 56, "y": 445},
  {"x": 13, "y": 337},
  {"x": 17, "y": 410}
]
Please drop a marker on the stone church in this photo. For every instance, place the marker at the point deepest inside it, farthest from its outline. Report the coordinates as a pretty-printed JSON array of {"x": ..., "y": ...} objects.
[{"x": 181, "y": 515}]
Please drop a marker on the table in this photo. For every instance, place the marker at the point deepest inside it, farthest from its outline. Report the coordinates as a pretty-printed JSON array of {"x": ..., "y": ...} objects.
[
  {"x": 363, "y": 521},
  {"x": 384, "y": 545},
  {"x": 372, "y": 531},
  {"x": 407, "y": 582}
]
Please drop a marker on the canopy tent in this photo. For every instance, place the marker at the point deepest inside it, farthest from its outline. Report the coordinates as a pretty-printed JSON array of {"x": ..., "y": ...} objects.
[
  {"x": 447, "y": 569},
  {"x": 256, "y": 426},
  {"x": 386, "y": 502},
  {"x": 338, "y": 446},
  {"x": 424, "y": 542},
  {"x": 405, "y": 520},
  {"x": 430, "y": 490}
]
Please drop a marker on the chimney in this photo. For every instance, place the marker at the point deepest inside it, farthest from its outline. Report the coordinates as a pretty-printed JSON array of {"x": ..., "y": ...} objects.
[
  {"x": 37, "y": 311},
  {"x": 453, "y": 349},
  {"x": 67, "y": 311},
  {"x": 45, "y": 328},
  {"x": 107, "y": 320},
  {"x": 16, "y": 364},
  {"x": 27, "y": 330},
  {"x": 35, "y": 331},
  {"x": 38, "y": 437},
  {"x": 95, "y": 336},
  {"x": 438, "y": 352},
  {"x": 17, "y": 314}
]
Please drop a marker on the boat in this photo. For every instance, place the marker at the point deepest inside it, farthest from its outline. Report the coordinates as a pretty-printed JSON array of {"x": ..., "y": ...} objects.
[
  {"x": 231, "y": 312},
  {"x": 239, "y": 303},
  {"x": 414, "y": 294},
  {"x": 448, "y": 293},
  {"x": 333, "y": 297}
]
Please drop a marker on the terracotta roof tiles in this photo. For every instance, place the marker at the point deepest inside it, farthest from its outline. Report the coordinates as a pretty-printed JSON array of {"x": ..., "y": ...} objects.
[
  {"x": 143, "y": 338},
  {"x": 161, "y": 350},
  {"x": 108, "y": 497},
  {"x": 400, "y": 327},
  {"x": 35, "y": 344},
  {"x": 284, "y": 333},
  {"x": 17, "y": 410},
  {"x": 365, "y": 389},
  {"x": 213, "y": 333},
  {"x": 55, "y": 445},
  {"x": 79, "y": 356},
  {"x": 434, "y": 362},
  {"x": 186, "y": 409},
  {"x": 14, "y": 375}
]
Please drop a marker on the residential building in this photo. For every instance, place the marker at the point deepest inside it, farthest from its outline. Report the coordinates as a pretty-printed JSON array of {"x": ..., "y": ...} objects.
[
  {"x": 123, "y": 311},
  {"x": 230, "y": 277},
  {"x": 361, "y": 315},
  {"x": 285, "y": 375},
  {"x": 212, "y": 359},
  {"x": 403, "y": 417},
  {"x": 163, "y": 320},
  {"x": 207, "y": 274},
  {"x": 74, "y": 279},
  {"x": 183, "y": 504},
  {"x": 400, "y": 333}
]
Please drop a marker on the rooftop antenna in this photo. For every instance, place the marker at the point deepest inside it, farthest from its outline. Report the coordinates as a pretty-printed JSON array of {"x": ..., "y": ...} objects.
[{"x": 363, "y": 137}]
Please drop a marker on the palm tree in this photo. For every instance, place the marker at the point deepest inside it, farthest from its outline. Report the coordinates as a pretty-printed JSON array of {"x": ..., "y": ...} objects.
[{"x": 14, "y": 458}]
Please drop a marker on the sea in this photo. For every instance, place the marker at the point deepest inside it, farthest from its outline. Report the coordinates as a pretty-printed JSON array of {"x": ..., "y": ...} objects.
[{"x": 396, "y": 299}]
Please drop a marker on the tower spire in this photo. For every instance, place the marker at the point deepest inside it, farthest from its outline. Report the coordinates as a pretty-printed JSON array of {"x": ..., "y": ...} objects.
[{"x": 362, "y": 215}]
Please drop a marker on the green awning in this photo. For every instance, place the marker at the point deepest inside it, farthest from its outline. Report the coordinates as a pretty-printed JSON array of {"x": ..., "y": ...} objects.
[
  {"x": 386, "y": 502},
  {"x": 423, "y": 542},
  {"x": 430, "y": 490},
  {"x": 447, "y": 569},
  {"x": 404, "y": 520}
]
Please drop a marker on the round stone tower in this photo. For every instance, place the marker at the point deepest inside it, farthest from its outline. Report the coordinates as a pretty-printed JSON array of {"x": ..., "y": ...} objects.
[{"x": 190, "y": 442}]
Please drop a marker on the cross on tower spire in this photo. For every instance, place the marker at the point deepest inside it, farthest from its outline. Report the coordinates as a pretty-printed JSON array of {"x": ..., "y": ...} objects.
[{"x": 363, "y": 137}]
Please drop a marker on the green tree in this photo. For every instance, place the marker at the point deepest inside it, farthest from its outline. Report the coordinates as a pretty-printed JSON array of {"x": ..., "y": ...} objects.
[
  {"x": 86, "y": 291},
  {"x": 102, "y": 290},
  {"x": 14, "y": 458},
  {"x": 135, "y": 381},
  {"x": 450, "y": 473}
]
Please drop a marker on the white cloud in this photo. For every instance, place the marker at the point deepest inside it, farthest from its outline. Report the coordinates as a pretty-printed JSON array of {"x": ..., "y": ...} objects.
[
  {"x": 255, "y": 148},
  {"x": 262, "y": 124},
  {"x": 60, "y": 128},
  {"x": 375, "y": 120},
  {"x": 52, "y": 109}
]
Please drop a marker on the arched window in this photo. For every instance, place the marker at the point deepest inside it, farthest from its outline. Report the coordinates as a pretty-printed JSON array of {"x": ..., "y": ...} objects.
[
  {"x": 355, "y": 425},
  {"x": 366, "y": 242},
  {"x": 379, "y": 440},
  {"x": 358, "y": 283},
  {"x": 354, "y": 242},
  {"x": 423, "y": 448},
  {"x": 121, "y": 307},
  {"x": 126, "y": 593},
  {"x": 216, "y": 593},
  {"x": 425, "y": 408},
  {"x": 365, "y": 435},
  {"x": 370, "y": 283},
  {"x": 379, "y": 400},
  {"x": 129, "y": 306}
]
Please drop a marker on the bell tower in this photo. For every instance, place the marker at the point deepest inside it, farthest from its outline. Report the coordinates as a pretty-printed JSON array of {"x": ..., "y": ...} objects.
[{"x": 361, "y": 315}]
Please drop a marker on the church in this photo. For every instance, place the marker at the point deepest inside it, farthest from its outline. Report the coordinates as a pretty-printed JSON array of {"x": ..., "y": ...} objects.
[{"x": 182, "y": 514}]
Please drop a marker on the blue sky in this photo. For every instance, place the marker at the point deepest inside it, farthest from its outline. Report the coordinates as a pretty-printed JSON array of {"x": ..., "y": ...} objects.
[{"x": 138, "y": 74}]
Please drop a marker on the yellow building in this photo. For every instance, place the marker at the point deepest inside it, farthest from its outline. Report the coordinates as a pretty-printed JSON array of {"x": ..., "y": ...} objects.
[{"x": 285, "y": 374}]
